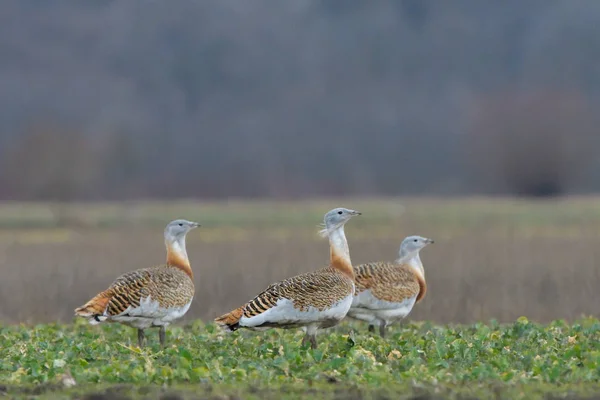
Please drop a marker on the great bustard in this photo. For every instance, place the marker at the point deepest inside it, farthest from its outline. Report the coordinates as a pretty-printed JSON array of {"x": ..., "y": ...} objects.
[
  {"x": 149, "y": 297},
  {"x": 387, "y": 291},
  {"x": 310, "y": 301}
]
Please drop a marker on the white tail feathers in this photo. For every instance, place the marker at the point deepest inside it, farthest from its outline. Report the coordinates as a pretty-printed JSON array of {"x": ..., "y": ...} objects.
[
  {"x": 93, "y": 319},
  {"x": 96, "y": 320},
  {"x": 226, "y": 328}
]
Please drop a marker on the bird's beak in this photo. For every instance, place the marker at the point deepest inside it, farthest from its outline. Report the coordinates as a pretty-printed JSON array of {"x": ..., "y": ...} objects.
[
  {"x": 354, "y": 212},
  {"x": 195, "y": 225},
  {"x": 430, "y": 241}
]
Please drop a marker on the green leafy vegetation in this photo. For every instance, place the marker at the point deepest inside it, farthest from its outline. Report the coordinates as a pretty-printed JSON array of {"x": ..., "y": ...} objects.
[{"x": 518, "y": 360}]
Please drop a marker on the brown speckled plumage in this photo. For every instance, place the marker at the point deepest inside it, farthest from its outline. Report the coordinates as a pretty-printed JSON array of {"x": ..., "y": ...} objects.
[
  {"x": 319, "y": 289},
  {"x": 306, "y": 290},
  {"x": 389, "y": 281},
  {"x": 168, "y": 285}
]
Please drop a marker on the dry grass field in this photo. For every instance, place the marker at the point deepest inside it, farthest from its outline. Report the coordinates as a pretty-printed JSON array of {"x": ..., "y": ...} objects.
[{"x": 493, "y": 259}]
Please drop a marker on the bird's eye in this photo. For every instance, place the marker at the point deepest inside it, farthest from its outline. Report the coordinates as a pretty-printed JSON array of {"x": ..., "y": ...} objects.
[
  {"x": 415, "y": 240},
  {"x": 340, "y": 212},
  {"x": 180, "y": 224}
]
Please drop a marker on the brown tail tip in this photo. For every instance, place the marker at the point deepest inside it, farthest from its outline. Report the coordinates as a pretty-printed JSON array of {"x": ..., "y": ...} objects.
[
  {"x": 95, "y": 306},
  {"x": 230, "y": 322},
  {"x": 86, "y": 310}
]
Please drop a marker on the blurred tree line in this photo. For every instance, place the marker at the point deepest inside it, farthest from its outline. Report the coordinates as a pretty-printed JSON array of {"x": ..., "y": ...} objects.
[{"x": 127, "y": 99}]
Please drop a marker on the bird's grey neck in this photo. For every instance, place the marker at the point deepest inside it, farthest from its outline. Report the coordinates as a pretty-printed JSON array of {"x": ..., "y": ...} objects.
[
  {"x": 413, "y": 260},
  {"x": 338, "y": 242}
]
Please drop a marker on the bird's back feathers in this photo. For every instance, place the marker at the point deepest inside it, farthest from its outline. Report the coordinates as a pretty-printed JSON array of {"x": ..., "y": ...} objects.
[
  {"x": 167, "y": 285},
  {"x": 318, "y": 290},
  {"x": 390, "y": 281}
]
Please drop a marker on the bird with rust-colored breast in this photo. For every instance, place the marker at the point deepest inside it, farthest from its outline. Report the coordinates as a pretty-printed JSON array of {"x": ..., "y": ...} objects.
[
  {"x": 387, "y": 291},
  {"x": 311, "y": 301},
  {"x": 149, "y": 297}
]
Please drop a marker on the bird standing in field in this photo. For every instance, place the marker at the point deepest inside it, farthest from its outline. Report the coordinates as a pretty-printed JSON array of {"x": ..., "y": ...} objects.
[
  {"x": 387, "y": 291},
  {"x": 149, "y": 297},
  {"x": 311, "y": 301}
]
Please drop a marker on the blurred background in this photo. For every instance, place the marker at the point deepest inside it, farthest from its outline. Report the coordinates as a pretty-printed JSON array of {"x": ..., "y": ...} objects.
[{"x": 472, "y": 122}]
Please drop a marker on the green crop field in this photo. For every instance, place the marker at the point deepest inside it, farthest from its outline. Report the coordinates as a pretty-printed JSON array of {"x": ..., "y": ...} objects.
[{"x": 521, "y": 360}]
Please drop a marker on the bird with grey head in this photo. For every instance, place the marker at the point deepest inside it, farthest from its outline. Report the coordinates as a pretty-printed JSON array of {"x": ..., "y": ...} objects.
[
  {"x": 411, "y": 246},
  {"x": 178, "y": 228},
  {"x": 175, "y": 234},
  {"x": 336, "y": 218}
]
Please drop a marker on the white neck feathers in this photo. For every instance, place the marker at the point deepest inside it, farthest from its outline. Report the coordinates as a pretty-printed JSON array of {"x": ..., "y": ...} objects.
[
  {"x": 337, "y": 240},
  {"x": 414, "y": 261},
  {"x": 177, "y": 246}
]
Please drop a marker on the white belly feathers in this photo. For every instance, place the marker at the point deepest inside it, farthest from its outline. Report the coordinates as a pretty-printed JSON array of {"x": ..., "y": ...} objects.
[
  {"x": 284, "y": 313},
  {"x": 150, "y": 313},
  {"x": 367, "y": 307}
]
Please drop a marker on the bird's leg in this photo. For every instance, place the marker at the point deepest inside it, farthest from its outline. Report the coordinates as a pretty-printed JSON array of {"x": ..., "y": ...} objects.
[
  {"x": 162, "y": 335},
  {"x": 311, "y": 336},
  {"x": 305, "y": 340},
  {"x": 141, "y": 337},
  {"x": 382, "y": 329},
  {"x": 371, "y": 328},
  {"x": 313, "y": 341}
]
